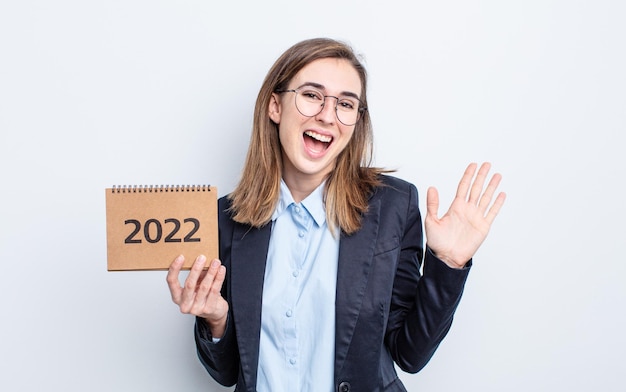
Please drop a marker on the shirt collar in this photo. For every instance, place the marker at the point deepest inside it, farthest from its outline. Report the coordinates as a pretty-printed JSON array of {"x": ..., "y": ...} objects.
[{"x": 314, "y": 203}]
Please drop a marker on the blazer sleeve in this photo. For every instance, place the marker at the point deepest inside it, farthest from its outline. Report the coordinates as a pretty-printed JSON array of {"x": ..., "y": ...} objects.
[
  {"x": 218, "y": 358},
  {"x": 422, "y": 307},
  {"x": 221, "y": 358}
]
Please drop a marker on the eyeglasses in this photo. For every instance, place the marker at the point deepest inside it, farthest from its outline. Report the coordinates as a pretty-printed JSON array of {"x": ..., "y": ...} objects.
[{"x": 310, "y": 102}]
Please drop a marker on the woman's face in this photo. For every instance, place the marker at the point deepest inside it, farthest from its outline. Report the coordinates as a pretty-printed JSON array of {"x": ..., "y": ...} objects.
[{"x": 310, "y": 145}]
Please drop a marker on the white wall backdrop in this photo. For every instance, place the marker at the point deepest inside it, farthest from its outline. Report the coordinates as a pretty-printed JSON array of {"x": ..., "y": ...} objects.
[{"x": 96, "y": 93}]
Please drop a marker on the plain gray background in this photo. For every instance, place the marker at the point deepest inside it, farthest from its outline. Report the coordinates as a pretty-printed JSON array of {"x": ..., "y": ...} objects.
[{"x": 97, "y": 93}]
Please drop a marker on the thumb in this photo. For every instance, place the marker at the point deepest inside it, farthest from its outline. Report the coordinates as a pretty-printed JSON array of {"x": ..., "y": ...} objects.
[{"x": 432, "y": 202}]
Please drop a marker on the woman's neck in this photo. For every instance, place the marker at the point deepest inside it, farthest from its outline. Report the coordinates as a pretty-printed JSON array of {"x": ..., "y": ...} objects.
[{"x": 301, "y": 186}]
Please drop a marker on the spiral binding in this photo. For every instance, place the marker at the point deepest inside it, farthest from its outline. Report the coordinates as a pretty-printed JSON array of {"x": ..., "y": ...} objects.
[{"x": 159, "y": 188}]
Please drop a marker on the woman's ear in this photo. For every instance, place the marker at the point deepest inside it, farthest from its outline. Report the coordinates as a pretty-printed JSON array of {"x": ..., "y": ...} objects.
[{"x": 274, "y": 108}]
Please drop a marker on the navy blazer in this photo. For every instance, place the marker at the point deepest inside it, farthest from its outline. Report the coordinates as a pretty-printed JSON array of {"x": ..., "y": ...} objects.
[{"x": 385, "y": 309}]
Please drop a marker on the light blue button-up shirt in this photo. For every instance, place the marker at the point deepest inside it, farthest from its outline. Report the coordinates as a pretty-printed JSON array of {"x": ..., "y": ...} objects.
[{"x": 297, "y": 347}]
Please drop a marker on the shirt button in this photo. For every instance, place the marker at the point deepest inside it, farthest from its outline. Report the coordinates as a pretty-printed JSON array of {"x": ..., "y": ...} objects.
[
  {"x": 289, "y": 313},
  {"x": 301, "y": 234},
  {"x": 292, "y": 361},
  {"x": 297, "y": 209},
  {"x": 295, "y": 273}
]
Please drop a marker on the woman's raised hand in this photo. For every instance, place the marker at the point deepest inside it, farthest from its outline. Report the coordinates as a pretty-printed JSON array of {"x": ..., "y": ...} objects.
[{"x": 456, "y": 236}]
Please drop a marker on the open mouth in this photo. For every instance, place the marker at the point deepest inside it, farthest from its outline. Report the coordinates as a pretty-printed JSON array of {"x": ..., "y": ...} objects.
[{"x": 316, "y": 142}]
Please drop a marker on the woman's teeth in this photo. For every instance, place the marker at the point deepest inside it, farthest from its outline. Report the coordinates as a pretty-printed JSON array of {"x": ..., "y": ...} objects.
[{"x": 317, "y": 136}]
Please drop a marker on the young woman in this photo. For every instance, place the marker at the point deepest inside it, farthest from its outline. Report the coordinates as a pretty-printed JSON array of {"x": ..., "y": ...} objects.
[{"x": 318, "y": 286}]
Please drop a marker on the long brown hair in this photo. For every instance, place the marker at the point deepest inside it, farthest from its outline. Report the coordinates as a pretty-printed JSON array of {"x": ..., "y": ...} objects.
[{"x": 348, "y": 186}]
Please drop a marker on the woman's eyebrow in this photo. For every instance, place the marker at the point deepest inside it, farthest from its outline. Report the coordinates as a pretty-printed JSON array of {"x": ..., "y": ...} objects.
[{"x": 321, "y": 87}]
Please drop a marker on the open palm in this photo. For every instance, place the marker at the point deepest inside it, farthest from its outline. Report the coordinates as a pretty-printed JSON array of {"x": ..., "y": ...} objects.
[{"x": 457, "y": 235}]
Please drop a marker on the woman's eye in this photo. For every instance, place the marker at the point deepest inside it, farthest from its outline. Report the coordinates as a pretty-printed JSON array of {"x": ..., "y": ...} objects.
[
  {"x": 347, "y": 105},
  {"x": 312, "y": 95}
]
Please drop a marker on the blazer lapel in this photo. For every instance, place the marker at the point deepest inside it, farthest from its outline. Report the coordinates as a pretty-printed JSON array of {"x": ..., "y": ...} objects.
[
  {"x": 249, "y": 255},
  {"x": 355, "y": 259}
]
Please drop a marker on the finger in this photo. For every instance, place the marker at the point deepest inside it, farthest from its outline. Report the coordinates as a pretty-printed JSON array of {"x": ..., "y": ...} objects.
[
  {"x": 485, "y": 199},
  {"x": 172, "y": 278},
  {"x": 432, "y": 202},
  {"x": 206, "y": 285},
  {"x": 479, "y": 182},
  {"x": 219, "y": 280},
  {"x": 495, "y": 208},
  {"x": 464, "y": 185},
  {"x": 191, "y": 283}
]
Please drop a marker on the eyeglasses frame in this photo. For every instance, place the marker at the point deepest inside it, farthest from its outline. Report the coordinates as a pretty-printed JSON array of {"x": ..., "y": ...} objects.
[{"x": 360, "y": 109}]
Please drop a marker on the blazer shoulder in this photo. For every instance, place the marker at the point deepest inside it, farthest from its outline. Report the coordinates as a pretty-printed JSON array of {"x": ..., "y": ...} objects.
[
  {"x": 394, "y": 181},
  {"x": 224, "y": 214},
  {"x": 394, "y": 187},
  {"x": 224, "y": 203}
]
